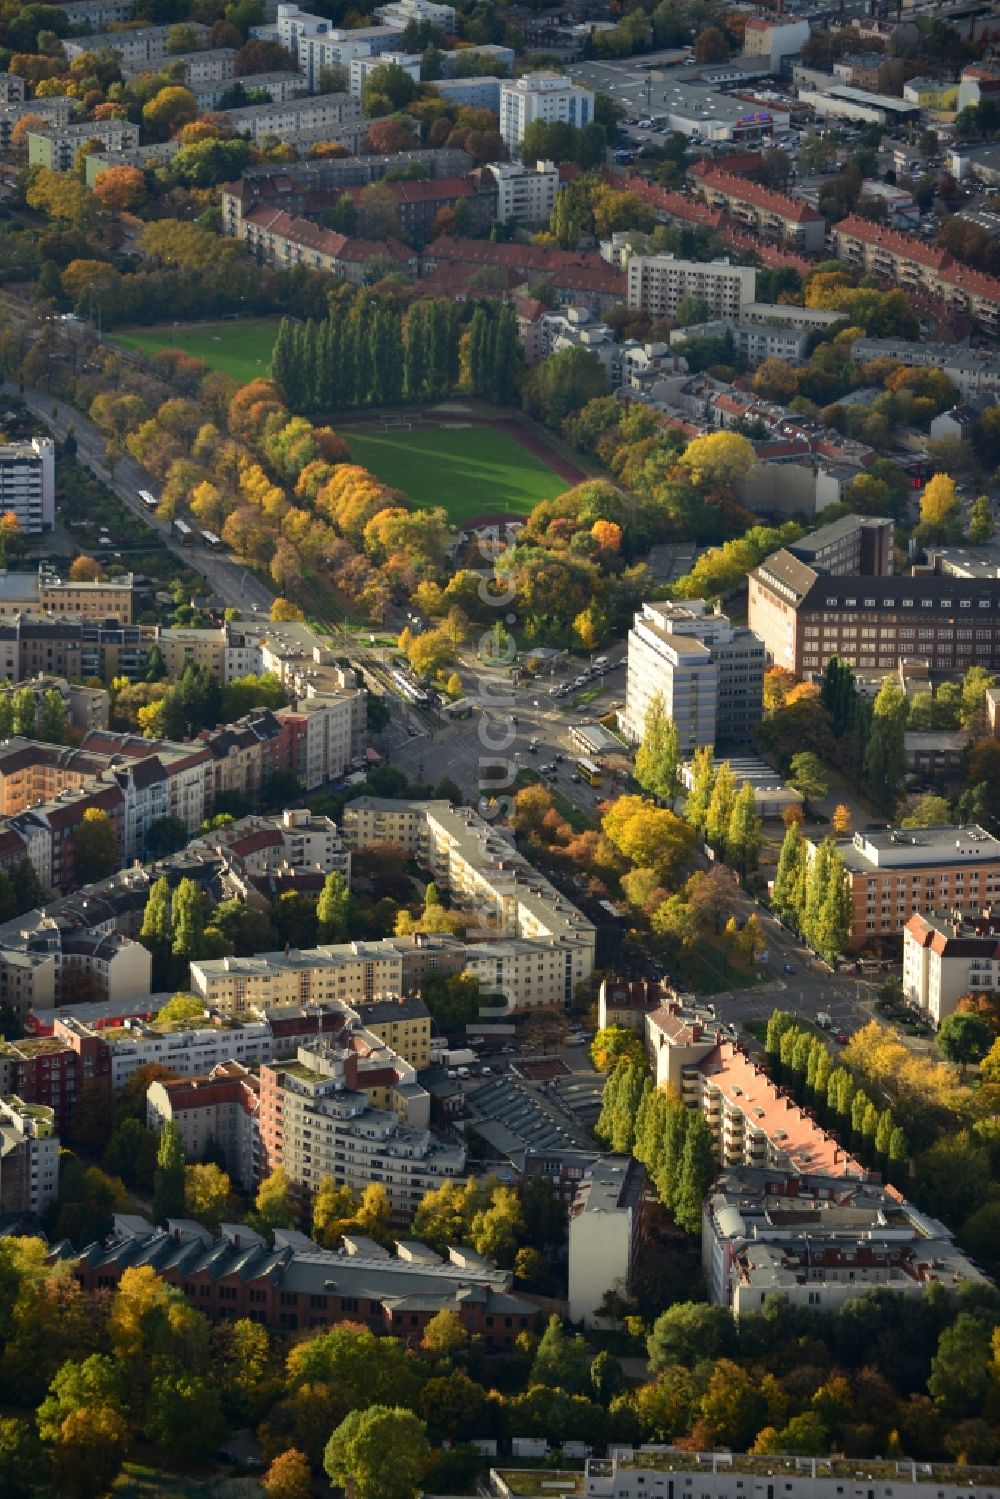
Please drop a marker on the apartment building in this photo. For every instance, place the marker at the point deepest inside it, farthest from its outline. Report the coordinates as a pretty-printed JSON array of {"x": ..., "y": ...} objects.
[
  {"x": 56, "y": 112},
  {"x": 481, "y": 871},
  {"x": 325, "y": 117},
  {"x": 213, "y": 65},
  {"x": 402, "y": 12},
  {"x": 801, "y": 319},
  {"x": 854, "y": 546},
  {"x": 898, "y": 871},
  {"x": 218, "y": 1109},
  {"x": 768, "y": 215},
  {"x": 293, "y": 839},
  {"x": 28, "y": 483},
  {"x": 360, "y": 67},
  {"x": 774, "y": 38},
  {"x": 606, "y": 1231},
  {"x": 577, "y": 328},
  {"x": 277, "y": 239},
  {"x": 29, "y": 1158},
  {"x": 472, "y": 93},
  {"x": 13, "y": 89},
  {"x": 911, "y": 264},
  {"x": 98, "y": 14},
  {"x": 973, "y": 371},
  {"x": 317, "y": 43},
  {"x": 418, "y": 202},
  {"x": 804, "y": 617},
  {"x": 948, "y": 954},
  {"x": 814, "y": 1241},
  {"x": 46, "y": 961},
  {"x": 541, "y": 96},
  {"x": 660, "y": 1473},
  {"x": 708, "y": 672},
  {"x": 141, "y": 48},
  {"x": 105, "y": 599},
  {"x": 295, "y": 1286},
  {"x": 659, "y": 283},
  {"x": 353, "y": 973},
  {"x": 316, "y": 1121},
  {"x": 56, "y": 146},
  {"x": 525, "y": 194},
  {"x": 578, "y": 278},
  {"x": 753, "y": 1122},
  {"x": 752, "y": 342},
  {"x": 279, "y": 87}
]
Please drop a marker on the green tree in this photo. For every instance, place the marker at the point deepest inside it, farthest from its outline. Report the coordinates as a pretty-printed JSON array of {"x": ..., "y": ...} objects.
[
  {"x": 963, "y": 1039},
  {"x": 885, "y": 756},
  {"x": 828, "y": 913},
  {"x": 959, "y": 1379},
  {"x": 187, "y": 921},
  {"x": 333, "y": 909},
  {"x": 657, "y": 760},
  {"x": 687, "y": 1333},
  {"x": 981, "y": 526},
  {"x": 975, "y": 685},
  {"x": 561, "y": 1361},
  {"x": 452, "y": 998},
  {"x": 52, "y": 718},
  {"x": 929, "y": 812},
  {"x": 23, "y": 711},
  {"x": 788, "y": 876},
  {"x": 744, "y": 835},
  {"x": 720, "y": 808},
  {"x": 808, "y": 775},
  {"x": 274, "y": 1204},
  {"x": 357, "y": 1451},
  {"x": 612, "y": 1043},
  {"x": 697, "y": 1172},
  {"x": 95, "y": 847},
  {"x": 700, "y": 795},
  {"x": 168, "y": 1180}
]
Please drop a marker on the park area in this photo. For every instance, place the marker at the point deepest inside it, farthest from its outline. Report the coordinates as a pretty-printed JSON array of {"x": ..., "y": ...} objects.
[
  {"x": 474, "y": 471},
  {"x": 239, "y": 348}
]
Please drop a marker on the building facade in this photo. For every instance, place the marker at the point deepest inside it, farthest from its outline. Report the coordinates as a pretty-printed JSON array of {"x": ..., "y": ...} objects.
[
  {"x": 708, "y": 672},
  {"x": 606, "y": 1232},
  {"x": 946, "y": 956},
  {"x": 659, "y": 283},
  {"x": 29, "y": 1157},
  {"x": 541, "y": 96}
]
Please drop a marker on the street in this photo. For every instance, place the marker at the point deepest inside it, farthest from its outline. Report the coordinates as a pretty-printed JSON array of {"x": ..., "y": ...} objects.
[{"x": 237, "y": 587}]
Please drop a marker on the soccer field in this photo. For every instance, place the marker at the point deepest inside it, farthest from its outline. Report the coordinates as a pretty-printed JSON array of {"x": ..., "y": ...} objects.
[
  {"x": 471, "y": 471},
  {"x": 241, "y": 348}
]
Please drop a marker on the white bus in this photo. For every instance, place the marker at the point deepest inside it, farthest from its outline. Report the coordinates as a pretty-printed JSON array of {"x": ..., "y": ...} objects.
[
  {"x": 149, "y": 500},
  {"x": 211, "y": 540},
  {"x": 409, "y": 690}
]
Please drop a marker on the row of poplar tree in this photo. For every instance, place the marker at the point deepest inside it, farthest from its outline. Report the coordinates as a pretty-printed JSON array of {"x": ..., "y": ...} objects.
[
  {"x": 674, "y": 1143},
  {"x": 376, "y": 354},
  {"x": 801, "y": 1060},
  {"x": 813, "y": 894}
]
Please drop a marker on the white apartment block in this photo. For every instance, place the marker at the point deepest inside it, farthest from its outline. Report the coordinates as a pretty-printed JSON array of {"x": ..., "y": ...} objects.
[
  {"x": 402, "y": 12},
  {"x": 13, "y": 88},
  {"x": 351, "y": 973},
  {"x": 477, "y": 866},
  {"x": 280, "y": 87},
  {"x": 708, "y": 672},
  {"x": 335, "y": 725},
  {"x": 946, "y": 956},
  {"x": 525, "y": 194},
  {"x": 293, "y": 839},
  {"x": 29, "y": 1157},
  {"x": 143, "y": 48},
  {"x": 471, "y": 93},
  {"x": 98, "y": 14},
  {"x": 56, "y": 112},
  {"x": 818, "y": 1242},
  {"x": 577, "y": 328},
  {"x": 605, "y": 1234},
  {"x": 190, "y": 1050},
  {"x": 315, "y": 1123},
  {"x": 317, "y": 44},
  {"x": 295, "y": 119},
  {"x": 28, "y": 483},
  {"x": 667, "y": 1473},
  {"x": 541, "y": 96},
  {"x": 360, "y": 67},
  {"x": 659, "y": 283},
  {"x": 56, "y": 146},
  {"x": 214, "y": 65}
]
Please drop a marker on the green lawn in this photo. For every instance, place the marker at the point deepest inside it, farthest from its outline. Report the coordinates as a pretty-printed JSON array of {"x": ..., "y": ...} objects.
[
  {"x": 471, "y": 471},
  {"x": 241, "y": 348}
]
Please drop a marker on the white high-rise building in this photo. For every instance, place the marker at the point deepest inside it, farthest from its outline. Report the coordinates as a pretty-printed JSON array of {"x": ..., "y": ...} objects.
[
  {"x": 28, "y": 483},
  {"x": 708, "y": 672},
  {"x": 659, "y": 283},
  {"x": 527, "y": 194},
  {"x": 541, "y": 96}
]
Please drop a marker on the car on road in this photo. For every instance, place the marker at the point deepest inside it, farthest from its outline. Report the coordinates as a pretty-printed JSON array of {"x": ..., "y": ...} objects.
[
  {"x": 576, "y": 777},
  {"x": 512, "y": 718},
  {"x": 789, "y": 967},
  {"x": 841, "y": 1038}
]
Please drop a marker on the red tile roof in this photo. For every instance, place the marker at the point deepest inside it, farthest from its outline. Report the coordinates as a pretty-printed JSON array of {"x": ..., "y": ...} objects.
[
  {"x": 579, "y": 270},
  {"x": 891, "y": 239},
  {"x": 325, "y": 241},
  {"x": 766, "y": 198}
]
